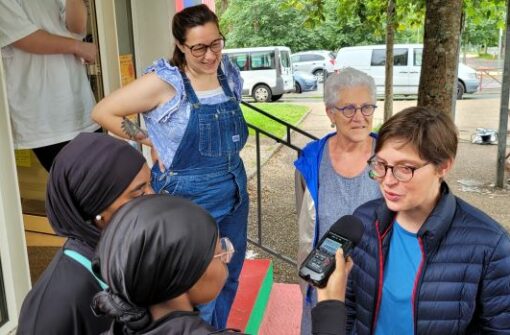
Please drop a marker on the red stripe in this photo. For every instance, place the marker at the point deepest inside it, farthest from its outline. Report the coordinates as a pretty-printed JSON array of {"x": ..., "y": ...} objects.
[
  {"x": 179, "y": 5},
  {"x": 417, "y": 279},
  {"x": 252, "y": 276}
]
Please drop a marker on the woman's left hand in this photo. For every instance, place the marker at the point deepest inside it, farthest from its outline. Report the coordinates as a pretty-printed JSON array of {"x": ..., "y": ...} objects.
[{"x": 337, "y": 282}]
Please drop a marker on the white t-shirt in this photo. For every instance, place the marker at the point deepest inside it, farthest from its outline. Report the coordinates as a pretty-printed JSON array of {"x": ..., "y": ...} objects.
[{"x": 49, "y": 96}]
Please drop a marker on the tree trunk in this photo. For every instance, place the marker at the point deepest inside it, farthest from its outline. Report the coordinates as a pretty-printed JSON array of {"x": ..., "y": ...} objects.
[
  {"x": 503, "y": 112},
  {"x": 438, "y": 80},
  {"x": 388, "y": 84}
]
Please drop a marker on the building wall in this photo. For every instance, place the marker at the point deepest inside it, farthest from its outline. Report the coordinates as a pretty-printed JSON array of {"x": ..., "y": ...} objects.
[{"x": 181, "y": 4}]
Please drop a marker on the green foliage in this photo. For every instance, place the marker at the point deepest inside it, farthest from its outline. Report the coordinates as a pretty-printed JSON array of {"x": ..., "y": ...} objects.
[
  {"x": 483, "y": 19},
  {"x": 287, "y": 112},
  {"x": 249, "y": 23},
  {"x": 331, "y": 24}
]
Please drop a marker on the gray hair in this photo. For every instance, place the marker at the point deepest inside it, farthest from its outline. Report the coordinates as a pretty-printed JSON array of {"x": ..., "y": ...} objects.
[{"x": 347, "y": 77}]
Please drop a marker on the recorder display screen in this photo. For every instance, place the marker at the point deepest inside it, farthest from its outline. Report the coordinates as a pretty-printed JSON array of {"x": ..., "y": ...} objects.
[{"x": 330, "y": 246}]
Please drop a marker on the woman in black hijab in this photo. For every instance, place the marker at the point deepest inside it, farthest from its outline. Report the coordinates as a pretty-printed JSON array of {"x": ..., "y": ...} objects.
[
  {"x": 92, "y": 176},
  {"x": 162, "y": 256}
]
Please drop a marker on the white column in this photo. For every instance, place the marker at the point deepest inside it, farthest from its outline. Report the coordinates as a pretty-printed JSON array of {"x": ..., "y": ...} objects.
[{"x": 13, "y": 250}]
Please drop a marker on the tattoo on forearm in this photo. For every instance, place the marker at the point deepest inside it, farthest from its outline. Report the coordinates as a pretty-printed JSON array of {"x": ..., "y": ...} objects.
[{"x": 132, "y": 130}]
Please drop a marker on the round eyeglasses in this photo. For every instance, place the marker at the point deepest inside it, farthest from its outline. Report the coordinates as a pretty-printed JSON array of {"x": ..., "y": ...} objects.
[
  {"x": 227, "y": 250},
  {"x": 401, "y": 173},
  {"x": 198, "y": 50},
  {"x": 350, "y": 110}
]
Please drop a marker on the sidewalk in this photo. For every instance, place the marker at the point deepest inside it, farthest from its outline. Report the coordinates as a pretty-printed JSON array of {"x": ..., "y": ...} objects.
[{"x": 472, "y": 178}]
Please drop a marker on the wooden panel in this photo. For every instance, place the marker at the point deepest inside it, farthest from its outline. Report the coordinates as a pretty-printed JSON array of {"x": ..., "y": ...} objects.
[
  {"x": 38, "y": 232},
  {"x": 43, "y": 240}
]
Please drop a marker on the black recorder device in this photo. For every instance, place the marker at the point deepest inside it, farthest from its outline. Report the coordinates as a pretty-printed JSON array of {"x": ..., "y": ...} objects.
[{"x": 320, "y": 263}]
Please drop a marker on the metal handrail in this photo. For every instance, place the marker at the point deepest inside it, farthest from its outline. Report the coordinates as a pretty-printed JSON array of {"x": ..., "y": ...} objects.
[{"x": 287, "y": 141}]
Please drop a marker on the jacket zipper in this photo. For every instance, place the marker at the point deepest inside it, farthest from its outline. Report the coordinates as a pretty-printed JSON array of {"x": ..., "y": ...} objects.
[
  {"x": 417, "y": 284},
  {"x": 380, "y": 276}
]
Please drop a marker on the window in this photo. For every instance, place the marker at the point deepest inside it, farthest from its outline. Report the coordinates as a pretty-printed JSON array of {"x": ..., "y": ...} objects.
[
  {"x": 311, "y": 58},
  {"x": 400, "y": 57},
  {"x": 263, "y": 60},
  {"x": 284, "y": 57},
  {"x": 379, "y": 57},
  {"x": 241, "y": 60},
  {"x": 418, "y": 54},
  {"x": 295, "y": 58}
]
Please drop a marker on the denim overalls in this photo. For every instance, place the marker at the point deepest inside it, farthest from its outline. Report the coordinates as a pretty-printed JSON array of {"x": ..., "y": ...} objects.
[{"x": 207, "y": 169}]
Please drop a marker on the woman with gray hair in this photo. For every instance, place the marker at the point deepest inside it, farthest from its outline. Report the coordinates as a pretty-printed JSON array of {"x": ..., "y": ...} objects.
[{"x": 331, "y": 173}]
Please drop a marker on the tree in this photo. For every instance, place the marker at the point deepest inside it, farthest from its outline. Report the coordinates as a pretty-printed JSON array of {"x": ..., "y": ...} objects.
[
  {"x": 483, "y": 20},
  {"x": 264, "y": 22},
  {"x": 438, "y": 80},
  {"x": 388, "y": 67},
  {"x": 373, "y": 14}
]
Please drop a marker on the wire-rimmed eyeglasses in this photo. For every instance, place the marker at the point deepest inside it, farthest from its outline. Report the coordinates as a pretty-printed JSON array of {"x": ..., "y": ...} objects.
[
  {"x": 198, "y": 50},
  {"x": 401, "y": 173},
  {"x": 350, "y": 110},
  {"x": 227, "y": 250}
]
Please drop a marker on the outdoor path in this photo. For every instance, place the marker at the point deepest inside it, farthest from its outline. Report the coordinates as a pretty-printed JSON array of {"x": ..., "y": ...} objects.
[{"x": 472, "y": 178}]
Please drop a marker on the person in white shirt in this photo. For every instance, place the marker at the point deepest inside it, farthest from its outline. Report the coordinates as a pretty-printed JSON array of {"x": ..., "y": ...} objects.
[{"x": 48, "y": 91}]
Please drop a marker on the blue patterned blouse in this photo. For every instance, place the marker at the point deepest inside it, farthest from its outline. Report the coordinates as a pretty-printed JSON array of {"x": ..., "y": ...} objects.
[{"x": 167, "y": 123}]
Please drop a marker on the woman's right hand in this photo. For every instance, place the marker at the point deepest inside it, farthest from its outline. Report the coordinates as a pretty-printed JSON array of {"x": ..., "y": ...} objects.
[{"x": 337, "y": 282}]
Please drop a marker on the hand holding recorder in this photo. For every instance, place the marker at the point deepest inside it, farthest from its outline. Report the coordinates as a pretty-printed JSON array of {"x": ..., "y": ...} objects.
[{"x": 320, "y": 263}]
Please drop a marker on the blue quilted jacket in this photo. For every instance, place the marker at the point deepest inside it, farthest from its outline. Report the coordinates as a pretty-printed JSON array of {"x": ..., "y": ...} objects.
[{"x": 463, "y": 283}]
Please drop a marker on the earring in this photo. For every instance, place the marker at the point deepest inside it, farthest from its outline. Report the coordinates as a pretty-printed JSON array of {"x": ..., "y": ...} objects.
[
  {"x": 99, "y": 217},
  {"x": 333, "y": 125}
]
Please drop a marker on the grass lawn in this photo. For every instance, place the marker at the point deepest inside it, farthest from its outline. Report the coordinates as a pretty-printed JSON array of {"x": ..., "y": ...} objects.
[{"x": 287, "y": 112}]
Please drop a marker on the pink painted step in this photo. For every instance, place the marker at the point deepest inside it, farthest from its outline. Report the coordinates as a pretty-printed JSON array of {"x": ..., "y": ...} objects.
[{"x": 283, "y": 311}]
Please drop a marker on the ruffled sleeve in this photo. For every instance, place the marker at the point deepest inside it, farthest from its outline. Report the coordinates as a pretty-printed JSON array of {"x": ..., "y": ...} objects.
[
  {"x": 233, "y": 76},
  {"x": 170, "y": 75}
]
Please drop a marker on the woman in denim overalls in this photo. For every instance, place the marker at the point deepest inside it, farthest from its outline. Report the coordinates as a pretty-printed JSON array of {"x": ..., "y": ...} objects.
[{"x": 196, "y": 130}]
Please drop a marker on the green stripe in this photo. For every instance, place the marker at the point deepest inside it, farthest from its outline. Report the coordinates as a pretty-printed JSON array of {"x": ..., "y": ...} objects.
[{"x": 257, "y": 313}]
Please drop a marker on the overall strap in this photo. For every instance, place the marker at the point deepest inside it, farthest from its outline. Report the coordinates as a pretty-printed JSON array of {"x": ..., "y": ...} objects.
[
  {"x": 224, "y": 84},
  {"x": 87, "y": 264},
  {"x": 190, "y": 93}
]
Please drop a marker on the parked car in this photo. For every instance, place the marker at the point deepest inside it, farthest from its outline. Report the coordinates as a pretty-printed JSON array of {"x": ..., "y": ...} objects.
[
  {"x": 266, "y": 71},
  {"x": 316, "y": 62},
  {"x": 406, "y": 67},
  {"x": 304, "y": 82}
]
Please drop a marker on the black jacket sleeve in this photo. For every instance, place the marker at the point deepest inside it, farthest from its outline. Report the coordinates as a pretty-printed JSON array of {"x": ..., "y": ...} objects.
[{"x": 328, "y": 318}]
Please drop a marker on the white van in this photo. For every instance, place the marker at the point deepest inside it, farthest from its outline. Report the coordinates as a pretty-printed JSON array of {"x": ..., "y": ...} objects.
[
  {"x": 266, "y": 71},
  {"x": 406, "y": 67}
]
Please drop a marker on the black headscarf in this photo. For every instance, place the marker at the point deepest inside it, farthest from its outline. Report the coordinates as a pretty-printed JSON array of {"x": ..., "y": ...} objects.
[
  {"x": 155, "y": 249},
  {"x": 88, "y": 175}
]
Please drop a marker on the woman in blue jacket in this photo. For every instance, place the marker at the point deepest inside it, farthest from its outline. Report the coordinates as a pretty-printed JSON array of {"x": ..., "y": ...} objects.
[
  {"x": 428, "y": 263},
  {"x": 332, "y": 175}
]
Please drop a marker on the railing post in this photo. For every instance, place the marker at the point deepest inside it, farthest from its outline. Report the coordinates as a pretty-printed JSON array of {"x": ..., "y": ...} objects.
[
  {"x": 287, "y": 143},
  {"x": 259, "y": 190}
]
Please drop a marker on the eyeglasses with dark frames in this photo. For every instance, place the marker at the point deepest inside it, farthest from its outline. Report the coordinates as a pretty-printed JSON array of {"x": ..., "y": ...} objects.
[
  {"x": 198, "y": 50},
  {"x": 350, "y": 110},
  {"x": 401, "y": 173},
  {"x": 227, "y": 250}
]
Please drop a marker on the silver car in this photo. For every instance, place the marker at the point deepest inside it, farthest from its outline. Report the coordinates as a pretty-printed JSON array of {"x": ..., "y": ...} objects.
[{"x": 317, "y": 62}]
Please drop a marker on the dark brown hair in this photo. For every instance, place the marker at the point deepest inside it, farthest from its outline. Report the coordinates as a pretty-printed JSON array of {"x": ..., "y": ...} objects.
[
  {"x": 183, "y": 21},
  {"x": 431, "y": 132}
]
